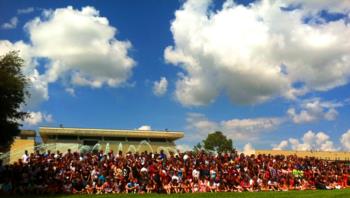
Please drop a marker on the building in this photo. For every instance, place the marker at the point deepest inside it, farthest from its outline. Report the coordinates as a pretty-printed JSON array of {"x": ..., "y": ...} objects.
[
  {"x": 79, "y": 139},
  {"x": 325, "y": 155},
  {"x": 24, "y": 141}
]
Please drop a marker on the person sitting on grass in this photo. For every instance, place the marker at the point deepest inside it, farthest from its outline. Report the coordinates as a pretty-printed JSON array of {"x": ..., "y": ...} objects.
[
  {"x": 174, "y": 184},
  {"x": 132, "y": 186},
  {"x": 246, "y": 185},
  {"x": 273, "y": 185},
  {"x": 264, "y": 187},
  {"x": 282, "y": 186},
  {"x": 89, "y": 189},
  {"x": 211, "y": 185},
  {"x": 186, "y": 186},
  {"x": 217, "y": 184},
  {"x": 195, "y": 185},
  {"x": 67, "y": 187},
  {"x": 203, "y": 185},
  {"x": 167, "y": 185},
  {"x": 107, "y": 186},
  {"x": 99, "y": 187},
  {"x": 305, "y": 185},
  {"x": 117, "y": 186},
  {"x": 150, "y": 187}
]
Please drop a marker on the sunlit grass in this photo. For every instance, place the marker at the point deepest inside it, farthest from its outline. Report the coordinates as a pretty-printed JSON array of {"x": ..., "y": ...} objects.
[{"x": 316, "y": 194}]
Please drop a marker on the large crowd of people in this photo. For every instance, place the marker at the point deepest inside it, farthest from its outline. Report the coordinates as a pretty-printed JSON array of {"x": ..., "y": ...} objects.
[{"x": 189, "y": 172}]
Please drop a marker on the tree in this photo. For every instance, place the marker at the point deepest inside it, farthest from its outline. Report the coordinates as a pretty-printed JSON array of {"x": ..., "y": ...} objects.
[
  {"x": 197, "y": 147},
  {"x": 13, "y": 93},
  {"x": 218, "y": 142}
]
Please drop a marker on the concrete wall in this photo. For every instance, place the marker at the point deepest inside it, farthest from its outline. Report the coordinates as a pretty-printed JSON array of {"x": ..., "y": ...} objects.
[{"x": 18, "y": 147}]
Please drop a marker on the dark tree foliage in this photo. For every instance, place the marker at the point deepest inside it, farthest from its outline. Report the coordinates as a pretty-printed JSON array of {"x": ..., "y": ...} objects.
[
  {"x": 13, "y": 93},
  {"x": 218, "y": 142}
]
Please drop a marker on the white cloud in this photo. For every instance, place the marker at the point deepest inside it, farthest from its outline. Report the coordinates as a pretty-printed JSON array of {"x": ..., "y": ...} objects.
[
  {"x": 160, "y": 87},
  {"x": 317, "y": 5},
  {"x": 309, "y": 141},
  {"x": 70, "y": 91},
  {"x": 145, "y": 128},
  {"x": 248, "y": 149},
  {"x": 313, "y": 110},
  {"x": 36, "y": 118},
  {"x": 257, "y": 52},
  {"x": 200, "y": 124},
  {"x": 80, "y": 47},
  {"x": 183, "y": 147},
  {"x": 237, "y": 129},
  {"x": 281, "y": 146},
  {"x": 345, "y": 140},
  {"x": 11, "y": 24},
  {"x": 84, "y": 46},
  {"x": 38, "y": 87},
  {"x": 25, "y": 10}
]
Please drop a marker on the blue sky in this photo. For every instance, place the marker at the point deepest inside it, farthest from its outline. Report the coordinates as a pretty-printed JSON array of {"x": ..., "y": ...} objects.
[{"x": 269, "y": 74}]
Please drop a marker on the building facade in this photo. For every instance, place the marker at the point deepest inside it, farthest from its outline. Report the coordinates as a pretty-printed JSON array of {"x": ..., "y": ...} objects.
[
  {"x": 78, "y": 139},
  {"x": 24, "y": 141}
]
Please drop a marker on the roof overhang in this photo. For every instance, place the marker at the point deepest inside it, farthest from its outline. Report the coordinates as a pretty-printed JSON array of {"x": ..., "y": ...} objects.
[
  {"x": 170, "y": 135},
  {"x": 27, "y": 133}
]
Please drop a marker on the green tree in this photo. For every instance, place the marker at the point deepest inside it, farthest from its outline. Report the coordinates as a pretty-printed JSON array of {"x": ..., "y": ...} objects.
[
  {"x": 197, "y": 147},
  {"x": 218, "y": 142},
  {"x": 13, "y": 92}
]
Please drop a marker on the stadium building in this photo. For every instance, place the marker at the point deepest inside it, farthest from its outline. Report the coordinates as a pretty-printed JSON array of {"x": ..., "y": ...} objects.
[
  {"x": 87, "y": 139},
  {"x": 109, "y": 139},
  {"x": 24, "y": 141}
]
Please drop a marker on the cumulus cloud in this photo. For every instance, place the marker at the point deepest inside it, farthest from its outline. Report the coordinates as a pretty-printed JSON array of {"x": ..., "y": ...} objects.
[
  {"x": 257, "y": 52},
  {"x": 84, "y": 51},
  {"x": 310, "y": 141},
  {"x": 281, "y": 146},
  {"x": 183, "y": 147},
  {"x": 38, "y": 87},
  {"x": 84, "y": 47},
  {"x": 36, "y": 118},
  {"x": 313, "y": 110},
  {"x": 70, "y": 91},
  {"x": 25, "y": 10},
  {"x": 145, "y": 128},
  {"x": 200, "y": 124},
  {"x": 345, "y": 140},
  {"x": 160, "y": 87},
  {"x": 11, "y": 24},
  {"x": 237, "y": 129},
  {"x": 248, "y": 149},
  {"x": 316, "y": 5}
]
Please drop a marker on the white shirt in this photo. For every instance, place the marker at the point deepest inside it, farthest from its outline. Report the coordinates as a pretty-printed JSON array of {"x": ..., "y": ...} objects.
[
  {"x": 175, "y": 178},
  {"x": 195, "y": 173},
  {"x": 25, "y": 158},
  {"x": 144, "y": 169}
]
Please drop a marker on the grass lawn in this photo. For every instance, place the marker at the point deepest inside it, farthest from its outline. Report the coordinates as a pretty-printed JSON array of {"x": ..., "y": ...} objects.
[{"x": 316, "y": 194}]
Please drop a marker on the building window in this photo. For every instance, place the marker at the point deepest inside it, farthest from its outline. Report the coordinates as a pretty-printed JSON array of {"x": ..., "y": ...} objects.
[
  {"x": 89, "y": 138},
  {"x": 51, "y": 137},
  {"x": 120, "y": 139},
  {"x": 90, "y": 142},
  {"x": 158, "y": 140},
  {"x": 67, "y": 137}
]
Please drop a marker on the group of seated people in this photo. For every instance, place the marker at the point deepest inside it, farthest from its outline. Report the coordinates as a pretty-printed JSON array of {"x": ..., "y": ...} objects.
[{"x": 189, "y": 172}]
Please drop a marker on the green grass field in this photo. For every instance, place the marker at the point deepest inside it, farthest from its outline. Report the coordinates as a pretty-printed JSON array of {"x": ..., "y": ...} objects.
[{"x": 316, "y": 194}]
